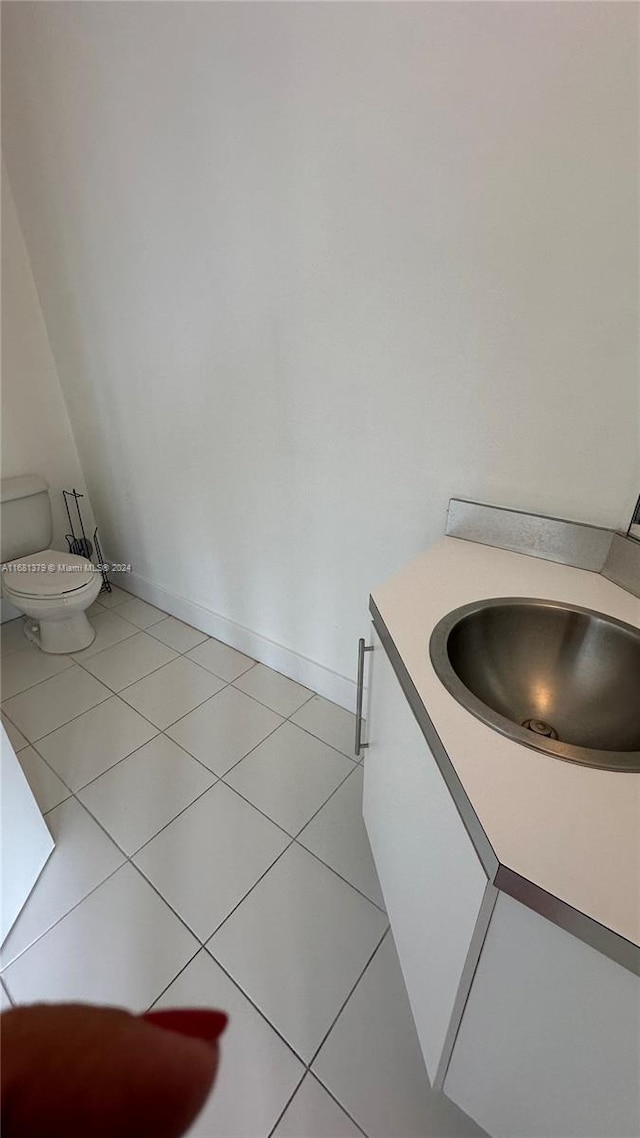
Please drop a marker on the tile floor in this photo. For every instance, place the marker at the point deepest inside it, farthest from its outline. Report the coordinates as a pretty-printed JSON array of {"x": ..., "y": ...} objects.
[{"x": 210, "y": 850}]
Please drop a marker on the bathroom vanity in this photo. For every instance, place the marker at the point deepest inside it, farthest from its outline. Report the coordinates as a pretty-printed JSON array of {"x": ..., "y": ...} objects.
[{"x": 511, "y": 877}]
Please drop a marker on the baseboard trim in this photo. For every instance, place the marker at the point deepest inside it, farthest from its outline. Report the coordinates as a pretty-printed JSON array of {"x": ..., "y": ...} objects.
[{"x": 333, "y": 686}]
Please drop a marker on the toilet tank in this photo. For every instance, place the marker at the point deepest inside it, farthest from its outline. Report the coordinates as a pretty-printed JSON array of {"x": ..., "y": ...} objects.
[{"x": 25, "y": 519}]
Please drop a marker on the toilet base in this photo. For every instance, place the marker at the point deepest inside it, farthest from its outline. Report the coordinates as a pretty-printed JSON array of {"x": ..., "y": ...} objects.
[{"x": 71, "y": 634}]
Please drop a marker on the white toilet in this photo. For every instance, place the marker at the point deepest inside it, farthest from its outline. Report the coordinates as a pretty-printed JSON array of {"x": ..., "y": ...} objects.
[{"x": 52, "y": 588}]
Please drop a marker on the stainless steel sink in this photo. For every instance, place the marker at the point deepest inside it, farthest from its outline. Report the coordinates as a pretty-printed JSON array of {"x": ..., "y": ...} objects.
[{"x": 556, "y": 677}]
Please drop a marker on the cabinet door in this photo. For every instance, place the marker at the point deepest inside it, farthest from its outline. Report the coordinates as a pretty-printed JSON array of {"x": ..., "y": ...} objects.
[
  {"x": 431, "y": 877},
  {"x": 549, "y": 1045}
]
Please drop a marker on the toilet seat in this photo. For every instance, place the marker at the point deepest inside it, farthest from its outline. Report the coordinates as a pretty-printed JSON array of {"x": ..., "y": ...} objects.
[{"x": 64, "y": 573}]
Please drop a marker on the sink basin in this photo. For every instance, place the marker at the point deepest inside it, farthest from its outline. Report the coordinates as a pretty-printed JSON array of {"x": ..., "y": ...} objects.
[{"x": 556, "y": 677}]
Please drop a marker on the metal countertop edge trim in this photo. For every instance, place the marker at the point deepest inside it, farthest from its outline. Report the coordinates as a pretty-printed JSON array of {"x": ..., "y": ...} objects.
[{"x": 572, "y": 920}]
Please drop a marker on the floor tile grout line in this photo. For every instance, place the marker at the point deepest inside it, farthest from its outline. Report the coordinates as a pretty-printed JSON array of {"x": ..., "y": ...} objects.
[
  {"x": 180, "y": 652},
  {"x": 272, "y": 732},
  {"x": 170, "y": 648},
  {"x": 73, "y": 663},
  {"x": 327, "y": 799},
  {"x": 140, "y": 627},
  {"x": 306, "y": 1063},
  {"x": 94, "y": 655},
  {"x": 248, "y": 800},
  {"x": 204, "y": 945},
  {"x": 126, "y": 619},
  {"x": 139, "y": 630},
  {"x": 210, "y": 950},
  {"x": 154, "y": 672},
  {"x": 211, "y": 695},
  {"x": 285, "y": 720},
  {"x": 342, "y": 877},
  {"x": 177, "y": 975},
  {"x": 46, "y": 813},
  {"x": 217, "y": 778},
  {"x": 178, "y": 656},
  {"x": 309, "y": 1074},
  {"x": 30, "y": 687},
  {"x": 227, "y": 683},
  {"x": 165, "y": 616},
  {"x": 246, "y": 895},
  {"x": 71, "y": 656},
  {"x": 118, "y": 695},
  {"x": 355, "y": 761},
  {"x": 165, "y": 730},
  {"x": 257, "y": 1008},
  {"x": 78, "y": 790},
  {"x": 132, "y": 597},
  {"x": 233, "y": 684},
  {"x": 7, "y": 993},
  {"x": 175, "y": 912},
  {"x": 114, "y": 586},
  {"x": 331, "y": 747},
  {"x": 101, "y": 613},
  {"x": 76, "y": 793},
  {"x": 180, "y": 747},
  {"x": 259, "y": 664},
  {"x": 305, "y": 1075},
  {"x": 5, "y": 967},
  {"x": 184, "y": 655},
  {"x": 254, "y": 663},
  {"x": 244, "y": 671},
  {"x": 253, "y": 806},
  {"x": 346, "y": 1000},
  {"x": 312, "y": 1075},
  {"x": 87, "y": 711},
  {"x": 119, "y": 690},
  {"x": 270, "y": 819},
  {"x": 28, "y": 643},
  {"x": 129, "y": 858},
  {"x": 32, "y": 742}
]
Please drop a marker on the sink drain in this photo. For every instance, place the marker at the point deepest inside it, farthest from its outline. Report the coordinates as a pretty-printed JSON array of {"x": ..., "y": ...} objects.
[{"x": 539, "y": 727}]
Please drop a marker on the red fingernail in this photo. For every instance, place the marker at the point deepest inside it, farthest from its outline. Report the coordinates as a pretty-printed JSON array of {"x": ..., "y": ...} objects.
[{"x": 198, "y": 1023}]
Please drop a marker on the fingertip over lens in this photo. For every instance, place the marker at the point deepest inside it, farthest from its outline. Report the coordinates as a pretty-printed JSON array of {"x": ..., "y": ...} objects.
[{"x": 206, "y": 1024}]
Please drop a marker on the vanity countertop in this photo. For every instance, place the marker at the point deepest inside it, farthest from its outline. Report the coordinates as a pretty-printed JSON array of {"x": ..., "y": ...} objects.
[{"x": 570, "y": 830}]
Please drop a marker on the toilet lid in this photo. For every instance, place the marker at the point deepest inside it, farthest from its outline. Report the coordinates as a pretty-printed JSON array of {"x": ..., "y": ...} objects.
[{"x": 53, "y": 573}]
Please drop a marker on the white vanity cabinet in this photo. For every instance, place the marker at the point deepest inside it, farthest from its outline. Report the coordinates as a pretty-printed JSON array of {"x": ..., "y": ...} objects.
[
  {"x": 527, "y": 1028},
  {"x": 433, "y": 883}
]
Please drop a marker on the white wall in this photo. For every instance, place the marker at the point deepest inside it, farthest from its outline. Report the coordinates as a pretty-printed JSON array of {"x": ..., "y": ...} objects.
[
  {"x": 310, "y": 269},
  {"x": 36, "y": 433}
]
